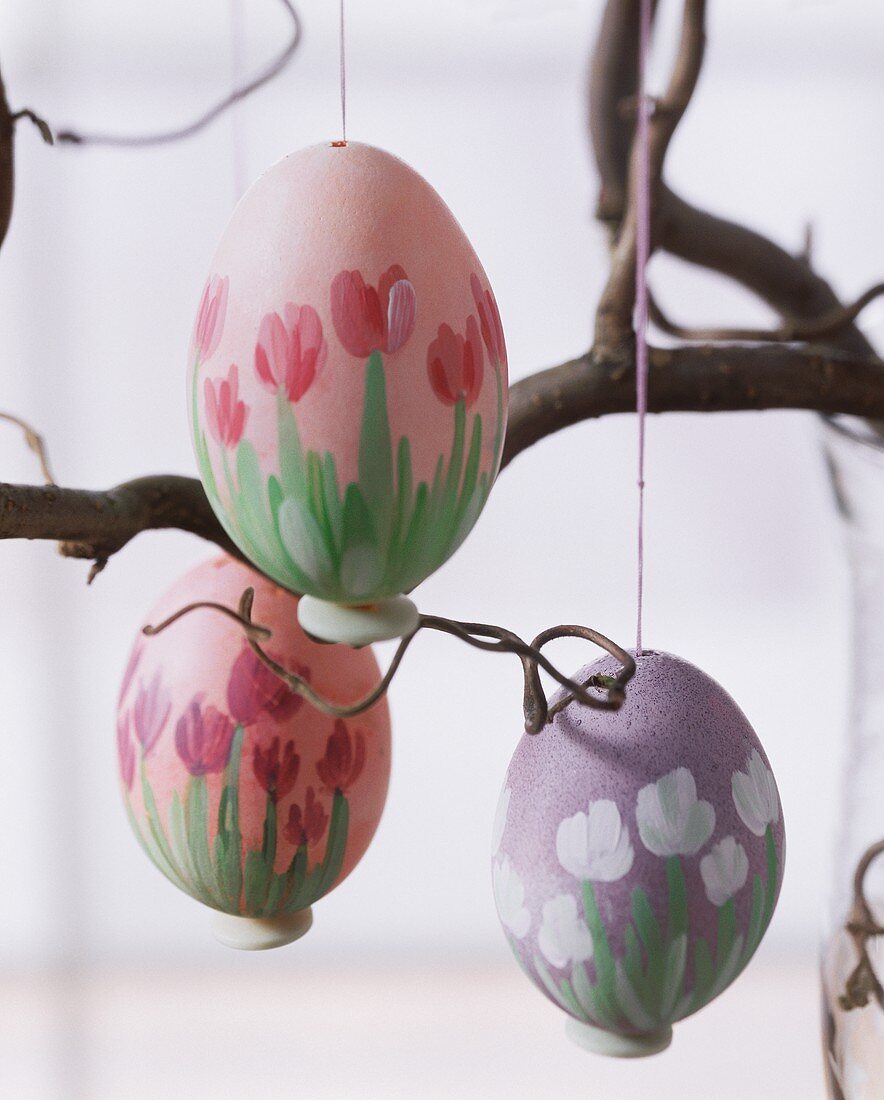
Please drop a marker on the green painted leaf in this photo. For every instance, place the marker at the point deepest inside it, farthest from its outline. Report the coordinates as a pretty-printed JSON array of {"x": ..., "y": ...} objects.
[
  {"x": 166, "y": 862},
  {"x": 228, "y": 847},
  {"x": 333, "y": 508},
  {"x": 605, "y": 968},
  {"x": 335, "y": 846},
  {"x": 673, "y": 978},
  {"x": 677, "y": 924},
  {"x": 557, "y": 995},
  {"x": 376, "y": 449},
  {"x": 586, "y": 997},
  {"x": 652, "y": 939},
  {"x": 453, "y": 473},
  {"x": 470, "y": 477},
  {"x": 727, "y": 926},
  {"x": 303, "y": 540},
  {"x": 291, "y": 459},
  {"x": 770, "y": 893},
  {"x": 704, "y": 974},
  {"x": 181, "y": 847},
  {"x": 196, "y": 816},
  {"x": 630, "y": 1002},
  {"x": 756, "y": 917}
]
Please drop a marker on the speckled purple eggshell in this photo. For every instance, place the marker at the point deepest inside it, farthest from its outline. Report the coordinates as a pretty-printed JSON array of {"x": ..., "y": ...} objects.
[{"x": 675, "y": 717}]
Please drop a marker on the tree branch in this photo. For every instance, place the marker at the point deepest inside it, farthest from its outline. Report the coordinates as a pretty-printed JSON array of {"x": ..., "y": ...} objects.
[
  {"x": 705, "y": 378},
  {"x": 613, "y": 326},
  {"x": 829, "y": 324},
  {"x": 93, "y": 525}
]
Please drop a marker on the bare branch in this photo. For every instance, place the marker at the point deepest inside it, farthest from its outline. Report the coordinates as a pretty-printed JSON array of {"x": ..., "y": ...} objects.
[
  {"x": 782, "y": 280},
  {"x": 791, "y": 331},
  {"x": 613, "y": 328},
  {"x": 35, "y": 442},
  {"x": 701, "y": 378},
  {"x": 94, "y": 525}
]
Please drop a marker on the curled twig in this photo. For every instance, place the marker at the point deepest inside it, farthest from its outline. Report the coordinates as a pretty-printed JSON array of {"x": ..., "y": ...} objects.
[
  {"x": 863, "y": 982},
  {"x": 35, "y": 442},
  {"x": 791, "y": 331},
  {"x": 75, "y": 137},
  {"x": 251, "y": 629},
  {"x": 492, "y": 639}
]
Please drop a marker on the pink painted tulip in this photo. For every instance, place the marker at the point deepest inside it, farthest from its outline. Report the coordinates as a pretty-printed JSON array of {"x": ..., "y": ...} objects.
[
  {"x": 368, "y": 319},
  {"x": 455, "y": 364},
  {"x": 210, "y": 317},
  {"x": 342, "y": 764},
  {"x": 125, "y": 750},
  {"x": 276, "y": 773},
  {"x": 150, "y": 712},
  {"x": 226, "y": 415},
  {"x": 291, "y": 350},
  {"x": 254, "y": 690},
  {"x": 203, "y": 738},
  {"x": 307, "y": 827}
]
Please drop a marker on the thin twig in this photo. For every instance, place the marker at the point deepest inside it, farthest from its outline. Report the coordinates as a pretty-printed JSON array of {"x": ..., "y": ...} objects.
[
  {"x": 250, "y": 629},
  {"x": 863, "y": 982},
  {"x": 77, "y": 137},
  {"x": 790, "y": 331},
  {"x": 491, "y": 639},
  {"x": 35, "y": 442}
]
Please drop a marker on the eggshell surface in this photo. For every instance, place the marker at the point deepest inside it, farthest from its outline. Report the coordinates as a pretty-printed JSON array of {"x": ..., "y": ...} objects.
[
  {"x": 243, "y": 794},
  {"x": 638, "y": 854},
  {"x": 348, "y": 376}
]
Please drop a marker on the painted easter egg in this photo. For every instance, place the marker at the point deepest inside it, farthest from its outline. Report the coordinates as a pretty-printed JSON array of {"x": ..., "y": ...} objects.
[
  {"x": 348, "y": 377},
  {"x": 638, "y": 854},
  {"x": 243, "y": 794}
]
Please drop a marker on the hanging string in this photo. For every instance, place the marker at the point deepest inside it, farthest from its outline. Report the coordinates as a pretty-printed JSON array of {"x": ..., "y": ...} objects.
[
  {"x": 237, "y": 132},
  {"x": 642, "y": 253},
  {"x": 343, "y": 62}
]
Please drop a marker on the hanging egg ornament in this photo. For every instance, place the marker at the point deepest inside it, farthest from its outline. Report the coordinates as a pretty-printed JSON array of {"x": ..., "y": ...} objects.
[
  {"x": 242, "y": 793},
  {"x": 638, "y": 854},
  {"x": 348, "y": 385}
]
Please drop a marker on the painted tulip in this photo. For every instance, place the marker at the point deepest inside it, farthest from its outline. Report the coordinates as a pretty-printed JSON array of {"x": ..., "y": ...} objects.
[
  {"x": 639, "y": 856},
  {"x": 243, "y": 794},
  {"x": 377, "y": 402}
]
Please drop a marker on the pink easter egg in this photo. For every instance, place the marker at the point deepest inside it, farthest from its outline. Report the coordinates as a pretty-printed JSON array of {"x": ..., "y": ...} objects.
[
  {"x": 348, "y": 377},
  {"x": 242, "y": 793}
]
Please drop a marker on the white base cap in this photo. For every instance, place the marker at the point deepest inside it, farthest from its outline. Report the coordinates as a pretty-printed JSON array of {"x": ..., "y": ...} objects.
[
  {"x": 357, "y": 626},
  {"x": 599, "y": 1041},
  {"x": 260, "y": 933}
]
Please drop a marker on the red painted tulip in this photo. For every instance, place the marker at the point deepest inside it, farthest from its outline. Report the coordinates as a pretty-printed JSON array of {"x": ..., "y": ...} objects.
[
  {"x": 254, "y": 690},
  {"x": 276, "y": 774},
  {"x": 368, "y": 319},
  {"x": 342, "y": 764},
  {"x": 291, "y": 350},
  {"x": 489, "y": 322},
  {"x": 203, "y": 738},
  {"x": 225, "y": 413},
  {"x": 455, "y": 364},
  {"x": 210, "y": 317},
  {"x": 309, "y": 827}
]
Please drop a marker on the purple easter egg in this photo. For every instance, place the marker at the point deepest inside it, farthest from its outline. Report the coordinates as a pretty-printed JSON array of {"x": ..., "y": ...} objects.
[{"x": 638, "y": 854}]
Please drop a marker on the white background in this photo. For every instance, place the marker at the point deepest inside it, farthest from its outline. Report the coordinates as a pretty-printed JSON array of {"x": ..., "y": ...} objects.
[{"x": 99, "y": 280}]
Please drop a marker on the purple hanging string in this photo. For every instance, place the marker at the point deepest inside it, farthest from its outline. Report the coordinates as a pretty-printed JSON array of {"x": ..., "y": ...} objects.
[
  {"x": 343, "y": 57},
  {"x": 642, "y": 252}
]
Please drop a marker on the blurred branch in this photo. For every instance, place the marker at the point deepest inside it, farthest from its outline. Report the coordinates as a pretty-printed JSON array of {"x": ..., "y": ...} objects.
[
  {"x": 789, "y": 332},
  {"x": 76, "y": 137}
]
